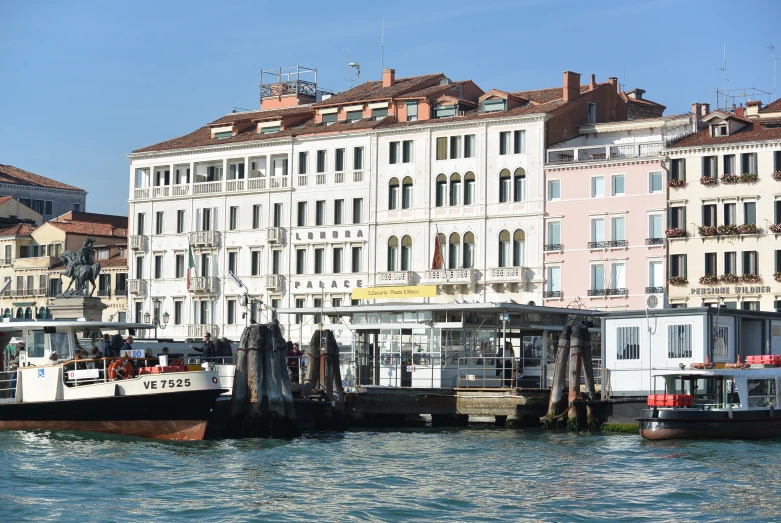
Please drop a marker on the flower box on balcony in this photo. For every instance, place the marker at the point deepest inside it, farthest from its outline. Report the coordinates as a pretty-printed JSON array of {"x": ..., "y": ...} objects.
[
  {"x": 776, "y": 176},
  {"x": 709, "y": 180},
  {"x": 775, "y": 227},
  {"x": 729, "y": 278},
  {"x": 749, "y": 178},
  {"x": 777, "y": 276},
  {"x": 674, "y": 183},
  {"x": 675, "y": 232},
  {"x": 707, "y": 230},
  {"x": 677, "y": 280},
  {"x": 750, "y": 278},
  {"x": 730, "y": 178},
  {"x": 708, "y": 279},
  {"x": 727, "y": 229},
  {"x": 747, "y": 228}
]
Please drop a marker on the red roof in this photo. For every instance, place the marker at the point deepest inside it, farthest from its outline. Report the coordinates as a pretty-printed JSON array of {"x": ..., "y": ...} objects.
[
  {"x": 772, "y": 107},
  {"x": 89, "y": 228},
  {"x": 16, "y": 176},
  {"x": 4, "y": 199},
  {"x": 753, "y": 132},
  {"x": 20, "y": 229},
  {"x": 373, "y": 90},
  {"x": 114, "y": 261}
]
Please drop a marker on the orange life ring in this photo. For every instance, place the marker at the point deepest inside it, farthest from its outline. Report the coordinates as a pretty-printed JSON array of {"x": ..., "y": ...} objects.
[{"x": 120, "y": 369}]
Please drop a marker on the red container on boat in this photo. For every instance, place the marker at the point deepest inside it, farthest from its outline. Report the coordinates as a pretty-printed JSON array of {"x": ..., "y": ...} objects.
[
  {"x": 764, "y": 359},
  {"x": 670, "y": 400}
]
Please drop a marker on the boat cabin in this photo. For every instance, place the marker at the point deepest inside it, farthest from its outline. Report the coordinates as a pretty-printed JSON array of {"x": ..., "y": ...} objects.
[{"x": 737, "y": 389}]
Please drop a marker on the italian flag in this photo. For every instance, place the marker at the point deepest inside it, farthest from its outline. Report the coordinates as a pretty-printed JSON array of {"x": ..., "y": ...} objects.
[{"x": 190, "y": 265}]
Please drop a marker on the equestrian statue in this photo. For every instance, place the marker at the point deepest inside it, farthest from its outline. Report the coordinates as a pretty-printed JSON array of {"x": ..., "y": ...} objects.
[{"x": 80, "y": 269}]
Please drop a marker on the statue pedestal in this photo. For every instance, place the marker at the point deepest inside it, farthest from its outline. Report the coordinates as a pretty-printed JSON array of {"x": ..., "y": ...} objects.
[{"x": 88, "y": 307}]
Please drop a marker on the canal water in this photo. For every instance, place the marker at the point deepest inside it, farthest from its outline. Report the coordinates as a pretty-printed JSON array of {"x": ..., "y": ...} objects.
[{"x": 421, "y": 475}]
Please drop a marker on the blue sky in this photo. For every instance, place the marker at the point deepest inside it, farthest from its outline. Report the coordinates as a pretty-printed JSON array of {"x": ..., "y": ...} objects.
[{"x": 86, "y": 82}]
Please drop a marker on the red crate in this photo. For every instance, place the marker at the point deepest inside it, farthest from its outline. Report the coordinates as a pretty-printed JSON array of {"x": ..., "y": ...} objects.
[{"x": 670, "y": 400}]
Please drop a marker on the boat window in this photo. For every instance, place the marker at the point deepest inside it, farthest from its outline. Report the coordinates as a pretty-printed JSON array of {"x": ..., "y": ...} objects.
[
  {"x": 761, "y": 393},
  {"x": 35, "y": 344},
  {"x": 58, "y": 342}
]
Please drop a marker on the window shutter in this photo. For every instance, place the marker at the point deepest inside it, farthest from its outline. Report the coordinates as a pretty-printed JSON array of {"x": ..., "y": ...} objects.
[
  {"x": 198, "y": 221},
  {"x": 683, "y": 218},
  {"x": 214, "y": 219},
  {"x": 685, "y": 264}
]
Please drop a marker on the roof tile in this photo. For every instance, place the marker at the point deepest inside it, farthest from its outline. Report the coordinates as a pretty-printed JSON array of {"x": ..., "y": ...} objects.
[{"x": 14, "y": 175}]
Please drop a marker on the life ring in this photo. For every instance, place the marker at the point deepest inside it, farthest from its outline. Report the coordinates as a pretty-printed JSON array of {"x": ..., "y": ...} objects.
[{"x": 120, "y": 369}]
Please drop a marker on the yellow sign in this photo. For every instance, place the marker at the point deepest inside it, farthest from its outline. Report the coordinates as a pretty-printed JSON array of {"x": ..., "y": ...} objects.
[{"x": 371, "y": 293}]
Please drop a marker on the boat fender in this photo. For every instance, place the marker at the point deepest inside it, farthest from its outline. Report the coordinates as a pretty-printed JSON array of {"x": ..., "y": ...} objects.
[
  {"x": 772, "y": 412},
  {"x": 729, "y": 412}
]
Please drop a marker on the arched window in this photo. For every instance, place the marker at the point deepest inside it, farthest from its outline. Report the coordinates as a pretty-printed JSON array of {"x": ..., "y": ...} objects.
[
  {"x": 519, "y": 182},
  {"x": 519, "y": 248},
  {"x": 454, "y": 250},
  {"x": 505, "y": 186},
  {"x": 40, "y": 314},
  {"x": 504, "y": 249},
  {"x": 7, "y": 313},
  {"x": 393, "y": 252},
  {"x": 406, "y": 253},
  {"x": 406, "y": 193},
  {"x": 455, "y": 189},
  {"x": 393, "y": 194},
  {"x": 20, "y": 312},
  {"x": 469, "y": 188},
  {"x": 441, "y": 190},
  {"x": 28, "y": 313},
  {"x": 469, "y": 251}
]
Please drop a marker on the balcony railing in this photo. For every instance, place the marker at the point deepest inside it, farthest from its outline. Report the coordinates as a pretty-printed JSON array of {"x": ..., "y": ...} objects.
[
  {"x": 6, "y": 261},
  {"x": 453, "y": 276},
  {"x": 197, "y": 331},
  {"x": 339, "y": 177},
  {"x": 204, "y": 238},
  {"x": 256, "y": 184},
  {"x": 274, "y": 234},
  {"x": 136, "y": 286},
  {"x": 607, "y": 292},
  {"x": 273, "y": 281},
  {"x": 141, "y": 193},
  {"x": 606, "y": 152},
  {"x": 395, "y": 278},
  {"x": 553, "y": 247},
  {"x": 358, "y": 176},
  {"x": 552, "y": 294},
  {"x": 654, "y": 290},
  {"x": 278, "y": 182},
  {"x": 181, "y": 190},
  {"x": 608, "y": 244},
  {"x": 104, "y": 292},
  {"x": 207, "y": 187},
  {"x": 161, "y": 191},
  {"x": 203, "y": 284},
  {"x": 137, "y": 242},
  {"x": 234, "y": 185},
  {"x": 506, "y": 275},
  {"x": 654, "y": 241}
]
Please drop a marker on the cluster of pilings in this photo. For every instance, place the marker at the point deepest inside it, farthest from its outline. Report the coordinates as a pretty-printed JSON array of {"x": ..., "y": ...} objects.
[
  {"x": 323, "y": 378},
  {"x": 573, "y": 355}
]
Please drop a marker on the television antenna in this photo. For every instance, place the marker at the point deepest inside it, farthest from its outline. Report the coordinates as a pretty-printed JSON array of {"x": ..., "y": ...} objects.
[
  {"x": 774, "y": 59},
  {"x": 723, "y": 69},
  {"x": 350, "y": 66}
]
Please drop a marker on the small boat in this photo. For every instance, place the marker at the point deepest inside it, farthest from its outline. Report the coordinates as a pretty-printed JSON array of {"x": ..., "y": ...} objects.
[
  {"x": 719, "y": 403},
  {"x": 131, "y": 395}
]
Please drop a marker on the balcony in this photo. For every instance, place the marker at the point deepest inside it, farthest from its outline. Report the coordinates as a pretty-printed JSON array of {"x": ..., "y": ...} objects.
[
  {"x": 654, "y": 241},
  {"x": 104, "y": 293},
  {"x": 197, "y": 331},
  {"x": 207, "y": 188},
  {"x": 37, "y": 262},
  {"x": 6, "y": 261},
  {"x": 553, "y": 247},
  {"x": 605, "y": 152},
  {"x": 610, "y": 244},
  {"x": 452, "y": 277},
  {"x": 607, "y": 292},
  {"x": 206, "y": 284},
  {"x": 273, "y": 282},
  {"x": 161, "y": 191},
  {"x": 278, "y": 182},
  {"x": 506, "y": 275},
  {"x": 395, "y": 278},
  {"x": 136, "y": 286},
  {"x": 203, "y": 238},
  {"x": 654, "y": 290},
  {"x": 137, "y": 243},
  {"x": 339, "y": 177},
  {"x": 274, "y": 234},
  {"x": 141, "y": 193},
  {"x": 552, "y": 294},
  {"x": 358, "y": 176}
]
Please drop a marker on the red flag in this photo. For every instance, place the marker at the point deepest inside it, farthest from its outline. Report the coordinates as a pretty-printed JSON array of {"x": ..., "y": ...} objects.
[{"x": 438, "y": 262}]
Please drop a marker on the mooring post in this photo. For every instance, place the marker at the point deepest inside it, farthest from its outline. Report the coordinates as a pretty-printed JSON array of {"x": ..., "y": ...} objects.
[
  {"x": 559, "y": 374},
  {"x": 588, "y": 376},
  {"x": 575, "y": 360}
]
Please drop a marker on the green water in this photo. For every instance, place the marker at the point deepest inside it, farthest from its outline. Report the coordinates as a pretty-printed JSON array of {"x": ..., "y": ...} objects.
[{"x": 423, "y": 475}]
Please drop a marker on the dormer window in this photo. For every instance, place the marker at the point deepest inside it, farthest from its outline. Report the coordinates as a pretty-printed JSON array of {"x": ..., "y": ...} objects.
[
  {"x": 270, "y": 129},
  {"x": 226, "y": 131},
  {"x": 490, "y": 106},
  {"x": 354, "y": 116},
  {"x": 223, "y": 134},
  {"x": 445, "y": 111},
  {"x": 719, "y": 130},
  {"x": 330, "y": 118},
  {"x": 379, "y": 113}
]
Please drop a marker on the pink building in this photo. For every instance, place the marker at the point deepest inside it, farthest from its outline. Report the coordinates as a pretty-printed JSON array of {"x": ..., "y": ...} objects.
[{"x": 606, "y": 195}]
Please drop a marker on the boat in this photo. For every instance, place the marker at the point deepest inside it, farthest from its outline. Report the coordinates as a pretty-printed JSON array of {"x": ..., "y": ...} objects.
[
  {"x": 740, "y": 402},
  {"x": 131, "y": 395}
]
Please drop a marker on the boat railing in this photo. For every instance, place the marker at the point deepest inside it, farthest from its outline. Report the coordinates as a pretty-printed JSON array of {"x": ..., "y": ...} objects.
[
  {"x": 7, "y": 385},
  {"x": 102, "y": 365},
  {"x": 489, "y": 372}
]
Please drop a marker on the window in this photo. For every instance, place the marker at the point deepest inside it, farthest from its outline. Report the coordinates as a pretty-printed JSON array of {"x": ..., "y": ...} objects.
[
  {"x": 406, "y": 253},
  {"x": 618, "y": 228},
  {"x": 339, "y": 165},
  {"x": 776, "y": 161},
  {"x": 709, "y": 215},
  {"x": 678, "y": 169},
  {"x": 455, "y": 189},
  {"x": 597, "y": 186},
  {"x": 748, "y": 163},
  {"x": 655, "y": 182},
  {"x": 235, "y": 170},
  {"x": 393, "y": 252},
  {"x": 730, "y": 263},
  {"x": 393, "y": 152},
  {"x": 338, "y": 211},
  {"x": 406, "y": 193},
  {"x": 656, "y": 275},
  {"x": 303, "y": 159},
  {"x": 505, "y": 186},
  {"x": 469, "y": 251},
  {"x": 469, "y": 146},
  {"x": 139, "y": 267},
  {"x": 301, "y": 214},
  {"x": 180, "y": 221},
  {"x": 709, "y": 166},
  {"x": 159, "y": 222},
  {"x": 729, "y": 164},
  {"x": 678, "y": 266},
  {"x": 454, "y": 251},
  {"x": 455, "y": 147},
  {"x": 159, "y": 266},
  {"x": 490, "y": 106},
  {"x": 178, "y": 307},
  {"x": 655, "y": 226},
  {"x": 76, "y": 207},
  {"x": 730, "y": 214},
  {"x": 519, "y": 142},
  {"x": 504, "y": 249},
  {"x": 778, "y": 261},
  {"x": 330, "y": 118},
  {"x": 554, "y": 280},
  {"x": 750, "y": 213},
  {"x": 356, "y": 259},
  {"x": 554, "y": 233},
  {"x": 379, "y": 113},
  {"x": 519, "y": 248},
  {"x": 469, "y": 189},
  {"x": 233, "y": 258},
  {"x": 710, "y": 264},
  {"x": 617, "y": 185},
  {"x": 357, "y": 208},
  {"x": 442, "y": 148},
  {"x": 231, "y": 319},
  {"x": 592, "y": 112},
  {"x": 256, "y": 216},
  {"x": 504, "y": 142},
  {"x": 320, "y": 212},
  {"x": 393, "y": 194},
  {"x": 300, "y": 261},
  {"x": 597, "y": 277},
  {"x": 337, "y": 260},
  {"x": 233, "y": 218},
  {"x": 255, "y": 263},
  {"x": 554, "y": 190},
  {"x": 597, "y": 230},
  {"x": 358, "y": 158},
  {"x": 179, "y": 263},
  {"x": 406, "y": 151},
  {"x": 677, "y": 217},
  {"x": 750, "y": 262},
  {"x": 750, "y": 306},
  {"x": 445, "y": 111},
  {"x": 140, "y": 223},
  {"x": 354, "y": 116},
  {"x": 519, "y": 185},
  {"x": 48, "y": 208},
  {"x": 627, "y": 343},
  {"x": 679, "y": 341},
  {"x": 276, "y": 261},
  {"x": 441, "y": 190},
  {"x": 300, "y": 304},
  {"x": 319, "y": 259},
  {"x": 320, "y": 161},
  {"x": 777, "y": 214},
  {"x": 412, "y": 111}
]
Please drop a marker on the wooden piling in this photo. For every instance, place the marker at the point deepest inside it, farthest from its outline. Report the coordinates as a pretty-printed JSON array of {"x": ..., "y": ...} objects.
[
  {"x": 559, "y": 376},
  {"x": 323, "y": 377},
  {"x": 575, "y": 360},
  {"x": 588, "y": 376}
]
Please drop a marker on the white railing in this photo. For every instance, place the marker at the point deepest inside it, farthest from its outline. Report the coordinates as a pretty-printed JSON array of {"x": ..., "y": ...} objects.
[
  {"x": 235, "y": 185},
  {"x": 320, "y": 179},
  {"x": 506, "y": 275},
  {"x": 138, "y": 242},
  {"x": 650, "y": 149},
  {"x": 338, "y": 177},
  {"x": 197, "y": 331},
  {"x": 203, "y": 284},
  {"x": 604, "y": 152},
  {"x": 274, "y": 234},
  {"x": 358, "y": 176},
  {"x": 395, "y": 278},
  {"x": 208, "y": 238},
  {"x": 181, "y": 190},
  {"x": 136, "y": 286},
  {"x": 622, "y": 151},
  {"x": 303, "y": 180},
  {"x": 207, "y": 187},
  {"x": 141, "y": 193},
  {"x": 448, "y": 276},
  {"x": 161, "y": 191},
  {"x": 278, "y": 182},
  {"x": 273, "y": 281},
  {"x": 254, "y": 184}
]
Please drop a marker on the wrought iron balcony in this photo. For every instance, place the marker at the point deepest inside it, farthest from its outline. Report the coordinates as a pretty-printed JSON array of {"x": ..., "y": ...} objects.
[
  {"x": 616, "y": 292},
  {"x": 553, "y": 247},
  {"x": 654, "y": 241},
  {"x": 597, "y": 292},
  {"x": 552, "y": 294},
  {"x": 654, "y": 290}
]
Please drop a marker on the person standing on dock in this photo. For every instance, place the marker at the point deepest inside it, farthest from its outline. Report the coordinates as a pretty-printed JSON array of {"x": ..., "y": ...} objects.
[
  {"x": 505, "y": 364},
  {"x": 294, "y": 363},
  {"x": 208, "y": 351}
]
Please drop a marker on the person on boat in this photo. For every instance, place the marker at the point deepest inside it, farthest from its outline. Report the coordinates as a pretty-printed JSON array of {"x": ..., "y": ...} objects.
[
  {"x": 80, "y": 354},
  {"x": 53, "y": 358},
  {"x": 208, "y": 351},
  {"x": 105, "y": 347},
  {"x": 96, "y": 355},
  {"x": 13, "y": 365},
  {"x": 128, "y": 346},
  {"x": 294, "y": 363}
]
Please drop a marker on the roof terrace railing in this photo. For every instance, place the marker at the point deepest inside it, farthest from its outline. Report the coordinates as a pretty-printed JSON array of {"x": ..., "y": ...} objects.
[{"x": 604, "y": 152}]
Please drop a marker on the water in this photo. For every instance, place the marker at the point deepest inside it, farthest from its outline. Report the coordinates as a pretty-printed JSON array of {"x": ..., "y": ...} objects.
[{"x": 422, "y": 475}]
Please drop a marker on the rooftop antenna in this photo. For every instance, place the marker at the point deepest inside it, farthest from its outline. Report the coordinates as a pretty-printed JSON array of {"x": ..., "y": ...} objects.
[
  {"x": 723, "y": 69},
  {"x": 357, "y": 68},
  {"x": 349, "y": 70},
  {"x": 774, "y": 59},
  {"x": 382, "y": 49}
]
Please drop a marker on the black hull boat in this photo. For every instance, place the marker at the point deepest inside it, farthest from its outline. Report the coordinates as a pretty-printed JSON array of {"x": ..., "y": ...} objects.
[{"x": 689, "y": 423}]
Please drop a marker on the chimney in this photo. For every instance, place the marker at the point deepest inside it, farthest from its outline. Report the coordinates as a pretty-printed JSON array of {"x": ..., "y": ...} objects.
[
  {"x": 571, "y": 86},
  {"x": 614, "y": 82},
  {"x": 593, "y": 84},
  {"x": 739, "y": 111},
  {"x": 704, "y": 109},
  {"x": 753, "y": 107},
  {"x": 388, "y": 77},
  {"x": 637, "y": 94}
]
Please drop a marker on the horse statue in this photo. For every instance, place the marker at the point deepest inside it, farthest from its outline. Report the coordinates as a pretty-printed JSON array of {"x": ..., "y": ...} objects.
[{"x": 80, "y": 269}]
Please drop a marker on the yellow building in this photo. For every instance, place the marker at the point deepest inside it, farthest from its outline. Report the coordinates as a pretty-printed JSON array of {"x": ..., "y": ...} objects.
[{"x": 12, "y": 209}]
